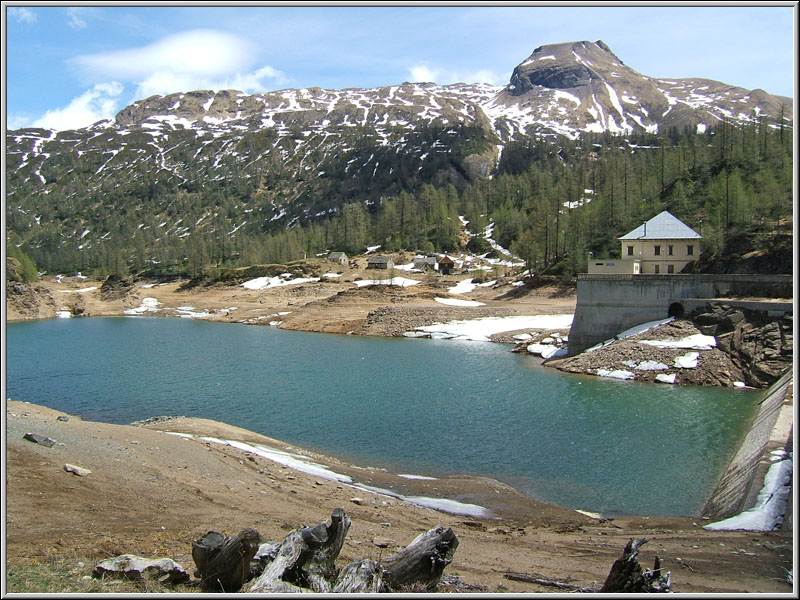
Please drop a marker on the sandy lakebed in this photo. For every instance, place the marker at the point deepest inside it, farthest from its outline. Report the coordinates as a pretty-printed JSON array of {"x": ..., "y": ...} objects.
[{"x": 151, "y": 492}]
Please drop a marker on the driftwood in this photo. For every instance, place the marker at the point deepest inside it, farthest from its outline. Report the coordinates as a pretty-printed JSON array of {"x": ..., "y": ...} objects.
[
  {"x": 305, "y": 561},
  {"x": 223, "y": 563},
  {"x": 627, "y": 576},
  {"x": 305, "y": 558},
  {"x": 363, "y": 576},
  {"x": 548, "y": 582},
  {"x": 423, "y": 560}
]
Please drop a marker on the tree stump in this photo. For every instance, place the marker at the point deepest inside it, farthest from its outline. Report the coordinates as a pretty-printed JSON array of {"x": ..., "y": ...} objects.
[
  {"x": 626, "y": 575},
  {"x": 422, "y": 561},
  {"x": 306, "y": 558},
  {"x": 360, "y": 577},
  {"x": 223, "y": 564},
  {"x": 305, "y": 561}
]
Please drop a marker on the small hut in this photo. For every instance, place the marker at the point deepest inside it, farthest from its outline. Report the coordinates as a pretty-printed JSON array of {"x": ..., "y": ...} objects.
[
  {"x": 425, "y": 263},
  {"x": 446, "y": 265},
  {"x": 380, "y": 261},
  {"x": 338, "y": 257}
]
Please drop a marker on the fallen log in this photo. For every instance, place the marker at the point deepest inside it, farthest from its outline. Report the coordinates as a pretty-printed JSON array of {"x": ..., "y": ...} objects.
[
  {"x": 626, "y": 575},
  {"x": 422, "y": 561},
  {"x": 548, "y": 582},
  {"x": 223, "y": 563}
]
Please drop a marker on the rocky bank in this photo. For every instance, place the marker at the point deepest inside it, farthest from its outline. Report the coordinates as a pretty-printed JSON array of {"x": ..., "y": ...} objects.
[{"x": 749, "y": 348}]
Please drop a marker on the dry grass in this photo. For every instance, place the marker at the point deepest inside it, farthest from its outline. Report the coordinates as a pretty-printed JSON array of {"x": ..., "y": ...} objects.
[{"x": 74, "y": 576}]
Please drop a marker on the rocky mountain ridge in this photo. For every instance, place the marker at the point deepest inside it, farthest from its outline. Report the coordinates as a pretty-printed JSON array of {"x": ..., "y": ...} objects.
[{"x": 267, "y": 161}]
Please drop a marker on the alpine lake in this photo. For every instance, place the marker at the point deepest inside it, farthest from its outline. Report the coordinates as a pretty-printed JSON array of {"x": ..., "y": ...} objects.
[{"x": 423, "y": 406}]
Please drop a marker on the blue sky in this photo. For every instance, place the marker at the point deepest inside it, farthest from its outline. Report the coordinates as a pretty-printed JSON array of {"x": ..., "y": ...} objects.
[{"x": 69, "y": 66}]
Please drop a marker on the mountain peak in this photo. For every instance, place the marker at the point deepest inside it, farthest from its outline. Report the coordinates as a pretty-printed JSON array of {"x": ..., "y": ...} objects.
[{"x": 564, "y": 66}]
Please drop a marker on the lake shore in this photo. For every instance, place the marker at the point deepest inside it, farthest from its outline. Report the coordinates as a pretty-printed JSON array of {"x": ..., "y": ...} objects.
[
  {"x": 228, "y": 490},
  {"x": 358, "y": 301},
  {"x": 335, "y": 302},
  {"x": 152, "y": 493}
]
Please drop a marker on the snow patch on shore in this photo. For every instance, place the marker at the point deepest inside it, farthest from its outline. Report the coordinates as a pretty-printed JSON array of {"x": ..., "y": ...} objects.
[
  {"x": 263, "y": 283},
  {"x": 463, "y": 287},
  {"x": 148, "y": 305},
  {"x": 481, "y": 330},
  {"x": 697, "y": 341},
  {"x": 467, "y": 285},
  {"x": 80, "y": 291},
  {"x": 302, "y": 464},
  {"x": 396, "y": 281},
  {"x": 687, "y": 361},
  {"x": 457, "y": 302},
  {"x": 287, "y": 459},
  {"x": 449, "y": 506},
  {"x": 615, "y": 374}
]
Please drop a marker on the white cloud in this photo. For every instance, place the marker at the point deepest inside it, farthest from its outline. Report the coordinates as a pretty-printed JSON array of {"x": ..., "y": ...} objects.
[
  {"x": 100, "y": 102},
  {"x": 192, "y": 60},
  {"x": 252, "y": 81},
  {"x": 168, "y": 82},
  {"x": 74, "y": 19},
  {"x": 17, "y": 122},
  {"x": 23, "y": 15},
  {"x": 485, "y": 76},
  {"x": 422, "y": 73},
  {"x": 200, "y": 52}
]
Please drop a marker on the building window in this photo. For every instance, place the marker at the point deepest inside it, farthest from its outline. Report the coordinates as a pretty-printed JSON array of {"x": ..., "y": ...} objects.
[
  {"x": 656, "y": 269},
  {"x": 657, "y": 250},
  {"x": 670, "y": 268},
  {"x": 669, "y": 250},
  {"x": 630, "y": 250},
  {"x": 690, "y": 250}
]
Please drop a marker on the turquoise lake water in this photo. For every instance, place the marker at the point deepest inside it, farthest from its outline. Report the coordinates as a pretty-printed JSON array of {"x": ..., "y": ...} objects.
[{"x": 429, "y": 407}]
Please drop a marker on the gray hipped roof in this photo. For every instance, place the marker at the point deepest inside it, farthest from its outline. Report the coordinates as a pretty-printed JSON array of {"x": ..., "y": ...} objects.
[{"x": 664, "y": 226}]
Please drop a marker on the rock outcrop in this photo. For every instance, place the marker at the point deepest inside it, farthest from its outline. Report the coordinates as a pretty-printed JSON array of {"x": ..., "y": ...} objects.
[
  {"x": 760, "y": 346},
  {"x": 28, "y": 301},
  {"x": 749, "y": 347}
]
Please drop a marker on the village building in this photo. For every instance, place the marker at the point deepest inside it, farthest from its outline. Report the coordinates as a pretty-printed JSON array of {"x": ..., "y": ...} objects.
[
  {"x": 446, "y": 265},
  {"x": 661, "y": 246},
  {"x": 425, "y": 263},
  {"x": 338, "y": 257},
  {"x": 380, "y": 262}
]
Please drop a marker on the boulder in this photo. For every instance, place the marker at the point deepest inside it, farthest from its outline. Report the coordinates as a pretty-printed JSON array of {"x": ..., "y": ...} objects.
[
  {"x": 130, "y": 566},
  {"x": 39, "y": 439},
  {"x": 79, "y": 471}
]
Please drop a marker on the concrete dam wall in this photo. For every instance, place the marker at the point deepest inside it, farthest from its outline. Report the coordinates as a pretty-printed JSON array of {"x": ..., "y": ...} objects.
[
  {"x": 609, "y": 304},
  {"x": 731, "y": 493}
]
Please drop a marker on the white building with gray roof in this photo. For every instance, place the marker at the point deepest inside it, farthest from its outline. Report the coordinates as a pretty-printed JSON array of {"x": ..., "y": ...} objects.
[{"x": 661, "y": 246}]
